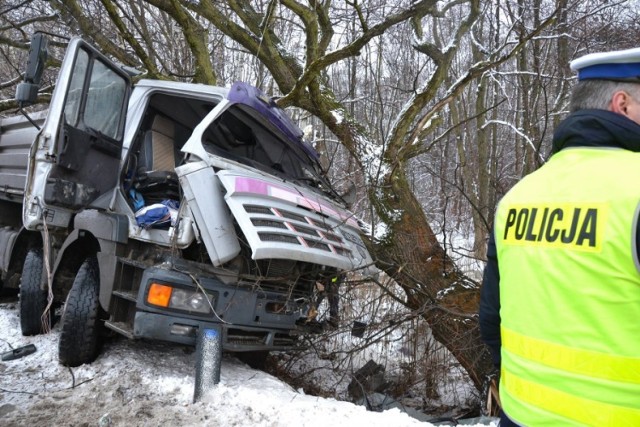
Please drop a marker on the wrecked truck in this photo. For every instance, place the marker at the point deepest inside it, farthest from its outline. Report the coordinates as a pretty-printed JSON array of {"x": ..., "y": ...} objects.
[{"x": 159, "y": 209}]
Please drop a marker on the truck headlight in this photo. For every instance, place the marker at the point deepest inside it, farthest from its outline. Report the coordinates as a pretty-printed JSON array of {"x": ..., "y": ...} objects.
[{"x": 163, "y": 295}]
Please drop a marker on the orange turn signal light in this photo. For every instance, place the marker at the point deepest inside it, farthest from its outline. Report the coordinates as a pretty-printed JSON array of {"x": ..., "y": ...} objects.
[{"x": 159, "y": 294}]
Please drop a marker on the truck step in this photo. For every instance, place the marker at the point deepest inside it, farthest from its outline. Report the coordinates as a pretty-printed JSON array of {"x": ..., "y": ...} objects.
[
  {"x": 132, "y": 262},
  {"x": 120, "y": 327},
  {"x": 129, "y": 296}
]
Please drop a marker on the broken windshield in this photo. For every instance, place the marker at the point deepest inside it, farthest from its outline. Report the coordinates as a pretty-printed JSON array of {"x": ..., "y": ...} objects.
[{"x": 241, "y": 134}]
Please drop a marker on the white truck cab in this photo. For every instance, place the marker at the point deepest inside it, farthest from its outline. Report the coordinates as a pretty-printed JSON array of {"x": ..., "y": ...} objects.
[{"x": 167, "y": 208}]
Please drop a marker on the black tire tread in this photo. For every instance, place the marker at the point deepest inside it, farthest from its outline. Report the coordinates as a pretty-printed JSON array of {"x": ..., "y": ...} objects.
[
  {"x": 81, "y": 317},
  {"x": 33, "y": 300}
]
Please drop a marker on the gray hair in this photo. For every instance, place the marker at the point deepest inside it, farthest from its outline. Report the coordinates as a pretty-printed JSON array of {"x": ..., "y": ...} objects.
[{"x": 597, "y": 94}]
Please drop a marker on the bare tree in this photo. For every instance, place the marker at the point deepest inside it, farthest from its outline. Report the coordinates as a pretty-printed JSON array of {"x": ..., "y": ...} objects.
[{"x": 393, "y": 82}]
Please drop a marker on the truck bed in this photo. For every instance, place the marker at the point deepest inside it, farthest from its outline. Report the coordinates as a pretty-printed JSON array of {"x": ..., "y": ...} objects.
[{"x": 16, "y": 136}]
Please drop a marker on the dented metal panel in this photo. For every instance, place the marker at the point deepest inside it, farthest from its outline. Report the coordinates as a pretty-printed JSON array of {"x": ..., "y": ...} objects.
[
  {"x": 204, "y": 198},
  {"x": 280, "y": 220}
]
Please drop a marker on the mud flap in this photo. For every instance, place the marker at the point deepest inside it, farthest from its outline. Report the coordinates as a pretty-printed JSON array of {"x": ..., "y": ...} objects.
[{"x": 208, "y": 361}]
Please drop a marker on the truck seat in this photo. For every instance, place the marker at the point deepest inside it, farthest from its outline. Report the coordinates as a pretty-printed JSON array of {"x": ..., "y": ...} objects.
[
  {"x": 157, "y": 152},
  {"x": 156, "y": 178}
]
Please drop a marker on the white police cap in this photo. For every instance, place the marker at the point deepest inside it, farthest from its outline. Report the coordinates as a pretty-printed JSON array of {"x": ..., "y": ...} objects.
[{"x": 621, "y": 65}]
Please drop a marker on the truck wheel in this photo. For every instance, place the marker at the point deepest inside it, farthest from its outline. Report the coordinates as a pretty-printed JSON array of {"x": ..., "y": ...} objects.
[
  {"x": 33, "y": 300},
  {"x": 81, "y": 323}
]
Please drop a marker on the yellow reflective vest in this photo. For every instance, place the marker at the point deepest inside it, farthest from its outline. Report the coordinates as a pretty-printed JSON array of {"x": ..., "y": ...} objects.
[{"x": 570, "y": 291}]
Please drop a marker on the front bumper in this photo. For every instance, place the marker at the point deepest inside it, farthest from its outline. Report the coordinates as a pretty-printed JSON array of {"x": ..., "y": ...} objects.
[{"x": 249, "y": 318}]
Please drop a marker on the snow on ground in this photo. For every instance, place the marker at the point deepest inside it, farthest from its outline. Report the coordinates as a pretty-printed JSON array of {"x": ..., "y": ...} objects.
[{"x": 137, "y": 383}]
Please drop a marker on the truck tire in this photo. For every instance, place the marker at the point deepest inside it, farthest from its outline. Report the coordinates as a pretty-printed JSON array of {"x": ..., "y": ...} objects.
[
  {"x": 33, "y": 300},
  {"x": 81, "y": 323}
]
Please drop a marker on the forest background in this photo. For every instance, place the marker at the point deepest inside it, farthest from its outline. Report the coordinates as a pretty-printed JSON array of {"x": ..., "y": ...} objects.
[{"x": 425, "y": 113}]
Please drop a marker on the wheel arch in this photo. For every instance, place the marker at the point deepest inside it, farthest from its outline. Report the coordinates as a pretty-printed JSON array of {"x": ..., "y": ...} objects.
[
  {"x": 24, "y": 240},
  {"x": 18, "y": 243},
  {"x": 95, "y": 233},
  {"x": 79, "y": 245}
]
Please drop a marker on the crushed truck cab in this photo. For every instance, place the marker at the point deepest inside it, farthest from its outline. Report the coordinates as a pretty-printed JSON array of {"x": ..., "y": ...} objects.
[{"x": 167, "y": 208}]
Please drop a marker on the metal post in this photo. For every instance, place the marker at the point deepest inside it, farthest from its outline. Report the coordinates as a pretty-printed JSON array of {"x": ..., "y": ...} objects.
[{"x": 209, "y": 359}]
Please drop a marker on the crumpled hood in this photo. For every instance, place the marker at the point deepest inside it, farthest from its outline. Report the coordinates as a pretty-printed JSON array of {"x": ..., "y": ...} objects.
[{"x": 283, "y": 221}]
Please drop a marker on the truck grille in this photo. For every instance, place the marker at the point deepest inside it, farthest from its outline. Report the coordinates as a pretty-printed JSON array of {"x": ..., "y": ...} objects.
[
  {"x": 253, "y": 209},
  {"x": 243, "y": 337},
  {"x": 273, "y": 237},
  {"x": 281, "y": 225},
  {"x": 268, "y": 223},
  {"x": 280, "y": 220},
  {"x": 240, "y": 337}
]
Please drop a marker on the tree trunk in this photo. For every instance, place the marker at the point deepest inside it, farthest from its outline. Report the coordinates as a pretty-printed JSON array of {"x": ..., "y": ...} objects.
[{"x": 413, "y": 257}]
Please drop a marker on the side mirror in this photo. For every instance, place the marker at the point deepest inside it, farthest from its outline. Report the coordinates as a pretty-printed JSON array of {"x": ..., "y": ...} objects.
[{"x": 27, "y": 92}]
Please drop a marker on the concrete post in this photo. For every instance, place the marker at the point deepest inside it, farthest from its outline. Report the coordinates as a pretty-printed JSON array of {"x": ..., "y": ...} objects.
[{"x": 209, "y": 359}]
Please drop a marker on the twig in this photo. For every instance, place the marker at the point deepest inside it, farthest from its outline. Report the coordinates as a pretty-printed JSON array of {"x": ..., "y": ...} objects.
[
  {"x": 73, "y": 380},
  {"x": 7, "y": 342},
  {"x": 21, "y": 392},
  {"x": 83, "y": 382}
]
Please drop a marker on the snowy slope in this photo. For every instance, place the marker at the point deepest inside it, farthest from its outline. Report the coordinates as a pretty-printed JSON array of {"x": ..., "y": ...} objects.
[{"x": 134, "y": 383}]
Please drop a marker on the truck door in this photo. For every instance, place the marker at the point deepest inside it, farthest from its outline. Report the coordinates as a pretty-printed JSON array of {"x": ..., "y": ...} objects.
[{"x": 75, "y": 161}]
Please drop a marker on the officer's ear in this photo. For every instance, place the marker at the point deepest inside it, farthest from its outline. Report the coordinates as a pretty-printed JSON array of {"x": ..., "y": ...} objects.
[{"x": 620, "y": 102}]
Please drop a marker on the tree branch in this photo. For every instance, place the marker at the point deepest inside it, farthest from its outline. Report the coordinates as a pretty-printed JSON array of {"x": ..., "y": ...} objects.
[
  {"x": 313, "y": 69},
  {"x": 71, "y": 10},
  {"x": 129, "y": 38}
]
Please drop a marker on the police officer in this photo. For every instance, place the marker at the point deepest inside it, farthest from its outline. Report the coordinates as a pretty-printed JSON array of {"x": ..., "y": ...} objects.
[{"x": 561, "y": 314}]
